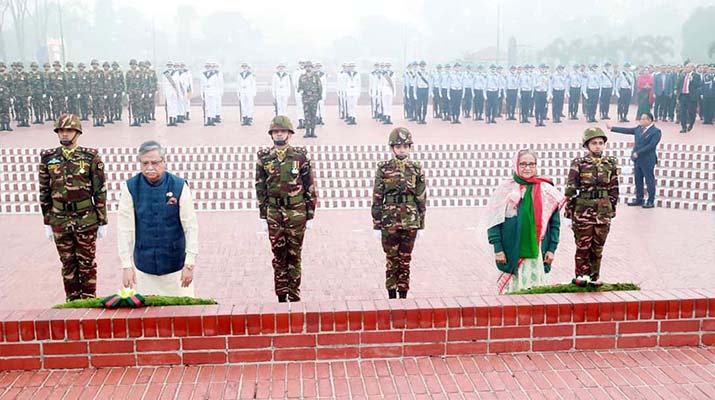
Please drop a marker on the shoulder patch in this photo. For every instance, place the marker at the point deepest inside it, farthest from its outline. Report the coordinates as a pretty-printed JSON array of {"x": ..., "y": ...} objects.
[
  {"x": 93, "y": 152},
  {"x": 416, "y": 164},
  {"x": 47, "y": 152},
  {"x": 300, "y": 150},
  {"x": 263, "y": 152},
  {"x": 381, "y": 164}
]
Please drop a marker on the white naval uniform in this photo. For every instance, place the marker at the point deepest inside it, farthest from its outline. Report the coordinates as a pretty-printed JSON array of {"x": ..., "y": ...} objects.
[
  {"x": 352, "y": 91},
  {"x": 171, "y": 89},
  {"x": 280, "y": 88},
  {"x": 211, "y": 90},
  {"x": 388, "y": 86},
  {"x": 247, "y": 92}
]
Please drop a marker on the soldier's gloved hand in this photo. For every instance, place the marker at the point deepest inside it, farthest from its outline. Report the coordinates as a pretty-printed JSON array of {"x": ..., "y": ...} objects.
[
  {"x": 568, "y": 222},
  {"x": 263, "y": 225},
  {"x": 377, "y": 234},
  {"x": 66, "y": 98},
  {"x": 102, "y": 232},
  {"x": 420, "y": 232},
  {"x": 142, "y": 95},
  {"x": 44, "y": 96},
  {"x": 309, "y": 225},
  {"x": 48, "y": 233},
  {"x": 79, "y": 95}
]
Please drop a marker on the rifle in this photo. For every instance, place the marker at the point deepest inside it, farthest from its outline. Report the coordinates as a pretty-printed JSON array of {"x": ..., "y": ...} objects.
[
  {"x": 166, "y": 111},
  {"x": 275, "y": 107},
  {"x": 129, "y": 107},
  {"x": 203, "y": 108}
]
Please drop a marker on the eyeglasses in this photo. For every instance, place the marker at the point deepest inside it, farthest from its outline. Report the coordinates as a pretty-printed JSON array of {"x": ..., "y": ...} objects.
[
  {"x": 153, "y": 164},
  {"x": 527, "y": 165}
]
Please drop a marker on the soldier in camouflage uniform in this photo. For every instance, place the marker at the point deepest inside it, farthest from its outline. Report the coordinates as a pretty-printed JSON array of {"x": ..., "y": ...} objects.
[
  {"x": 73, "y": 200},
  {"x": 151, "y": 85},
  {"x": 84, "y": 94},
  {"x": 72, "y": 88},
  {"x": 108, "y": 91},
  {"x": 37, "y": 89},
  {"x": 98, "y": 95},
  {"x": 46, "y": 106},
  {"x": 592, "y": 190},
  {"x": 311, "y": 90},
  {"x": 285, "y": 190},
  {"x": 399, "y": 203},
  {"x": 135, "y": 92},
  {"x": 5, "y": 104},
  {"x": 57, "y": 90},
  {"x": 118, "y": 88},
  {"x": 22, "y": 93}
]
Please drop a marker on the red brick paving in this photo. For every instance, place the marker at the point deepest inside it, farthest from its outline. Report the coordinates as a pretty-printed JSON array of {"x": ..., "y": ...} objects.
[
  {"x": 667, "y": 374},
  {"x": 336, "y": 132},
  {"x": 658, "y": 248}
]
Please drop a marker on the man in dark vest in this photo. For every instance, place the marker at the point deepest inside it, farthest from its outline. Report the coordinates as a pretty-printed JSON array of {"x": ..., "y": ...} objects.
[{"x": 158, "y": 231}]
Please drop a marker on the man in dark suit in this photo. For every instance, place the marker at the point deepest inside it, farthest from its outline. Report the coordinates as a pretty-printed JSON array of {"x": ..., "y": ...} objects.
[
  {"x": 663, "y": 87},
  {"x": 688, "y": 89},
  {"x": 644, "y": 157}
]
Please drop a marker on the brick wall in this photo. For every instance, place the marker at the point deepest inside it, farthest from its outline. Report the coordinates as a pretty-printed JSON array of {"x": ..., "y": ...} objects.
[{"x": 221, "y": 334}]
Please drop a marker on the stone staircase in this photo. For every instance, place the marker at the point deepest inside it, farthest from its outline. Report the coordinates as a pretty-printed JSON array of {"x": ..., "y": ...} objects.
[{"x": 458, "y": 175}]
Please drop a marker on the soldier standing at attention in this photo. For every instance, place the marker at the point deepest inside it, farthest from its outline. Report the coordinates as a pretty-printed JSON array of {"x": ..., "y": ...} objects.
[
  {"x": 575, "y": 81},
  {"x": 285, "y": 189},
  {"x": 46, "y": 107},
  {"x": 23, "y": 93},
  {"x": 135, "y": 88},
  {"x": 557, "y": 88},
  {"x": 72, "y": 88},
  {"x": 592, "y": 192},
  {"x": 5, "y": 99},
  {"x": 83, "y": 92},
  {"x": 591, "y": 89},
  {"x": 310, "y": 90},
  {"x": 108, "y": 92},
  {"x": 151, "y": 85},
  {"x": 96, "y": 89},
  {"x": 246, "y": 93},
  {"x": 399, "y": 203},
  {"x": 37, "y": 87},
  {"x": 57, "y": 90},
  {"x": 73, "y": 198},
  {"x": 118, "y": 88}
]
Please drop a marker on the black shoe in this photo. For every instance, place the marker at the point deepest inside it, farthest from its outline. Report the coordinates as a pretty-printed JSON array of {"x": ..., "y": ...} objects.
[
  {"x": 690, "y": 128},
  {"x": 683, "y": 131},
  {"x": 635, "y": 203},
  {"x": 135, "y": 123},
  {"x": 606, "y": 117},
  {"x": 282, "y": 298},
  {"x": 626, "y": 120},
  {"x": 648, "y": 205},
  {"x": 403, "y": 294},
  {"x": 187, "y": 117},
  {"x": 391, "y": 293}
]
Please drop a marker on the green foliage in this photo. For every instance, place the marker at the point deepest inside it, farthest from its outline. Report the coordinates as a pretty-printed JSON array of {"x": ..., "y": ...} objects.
[
  {"x": 571, "y": 288},
  {"x": 150, "y": 301}
]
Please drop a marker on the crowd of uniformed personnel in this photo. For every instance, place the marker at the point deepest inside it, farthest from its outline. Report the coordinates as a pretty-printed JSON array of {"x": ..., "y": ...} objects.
[
  {"x": 485, "y": 93},
  {"x": 43, "y": 95}
]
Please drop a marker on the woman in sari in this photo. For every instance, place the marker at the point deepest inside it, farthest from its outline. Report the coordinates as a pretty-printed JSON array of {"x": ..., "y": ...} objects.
[
  {"x": 645, "y": 91},
  {"x": 524, "y": 225}
]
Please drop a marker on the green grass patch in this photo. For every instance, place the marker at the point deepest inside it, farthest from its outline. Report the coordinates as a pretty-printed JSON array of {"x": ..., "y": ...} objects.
[
  {"x": 571, "y": 288},
  {"x": 149, "y": 301}
]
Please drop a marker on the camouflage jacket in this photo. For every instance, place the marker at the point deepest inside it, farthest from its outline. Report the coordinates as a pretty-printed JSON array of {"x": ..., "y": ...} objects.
[
  {"x": 37, "y": 83},
  {"x": 118, "y": 81},
  {"x": 83, "y": 85},
  {"x": 21, "y": 85},
  {"x": 399, "y": 198},
  {"x": 78, "y": 179},
  {"x": 592, "y": 190},
  {"x": 6, "y": 79},
  {"x": 109, "y": 83},
  {"x": 72, "y": 83},
  {"x": 151, "y": 81},
  {"x": 96, "y": 82},
  {"x": 56, "y": 83},
  {"x": 310, "y": 87},
  {"x": 135, "y": 82},
  {"x": 294, "y": 176}
]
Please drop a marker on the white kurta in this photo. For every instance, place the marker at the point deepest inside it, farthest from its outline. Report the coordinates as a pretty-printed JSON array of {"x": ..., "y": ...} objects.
[{"x": 148, "y": 284}]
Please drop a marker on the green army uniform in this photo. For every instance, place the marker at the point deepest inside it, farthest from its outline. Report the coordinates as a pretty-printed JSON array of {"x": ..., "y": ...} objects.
[
  {"x": 84, "y": 93},
  {"x": 5, "y": 104},
  {"x": 46, "y": 98},
  {"x": 21, "y": 91},
  {"x": 72, "y": 89},
  {"x": 151, "y": 85},
  {"x": 135, "y": 82},
  {"x": 57, "y": 90},
  {"x": 73, "y": 201},
  {"x": 118, "y": 88},
  {"x": 592, "y": 192},
  {"x": 108, "y": 92},
  {"x": 97, "y": 91},
  {"x": 285, "y": 190},
  {"x": 36, "y": 81},
  {"x": 311, "y": 90},
  {"x": 399, "y": 203}
]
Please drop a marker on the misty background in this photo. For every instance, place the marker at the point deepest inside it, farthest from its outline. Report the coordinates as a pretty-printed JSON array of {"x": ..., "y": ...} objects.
[{"x": 266, "y": 32}]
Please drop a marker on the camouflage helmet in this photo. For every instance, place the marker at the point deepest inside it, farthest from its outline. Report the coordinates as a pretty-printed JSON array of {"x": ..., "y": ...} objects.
[
  {"x": 592, "y": 133},
  {"x": 399, "y": 136},
  {"x": 115, "y": 64},
  {"x": 280, "y": 122},
  {"x": 68, "y": 121},
  {"x": 34, "y": 64},
  {"x": 46, "y": 65},
  {"x": 94, "y": 62},
  {"x": 56, "y": 64},
  {"x": 105, "y": 64},
  {"x": 69, "y": 64},
  {"x": 132, "y": 62},
  {"x": 81, "y": 65}
]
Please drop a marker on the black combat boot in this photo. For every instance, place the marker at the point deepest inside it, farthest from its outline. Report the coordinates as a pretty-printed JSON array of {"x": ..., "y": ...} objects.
[
  {"x": 135, "y": 123},
  {"x": 391, "y": 293},
  {"x": 301, "y": 125},
  {"x": 172, "y": 121},
  {"x": 187, "y": 116},
  {"x": 217, "y": 119},
  {"x": 403, "y": 294},
  {"x": 282, "y": 298},
  {"x": 250, "y": 121}
]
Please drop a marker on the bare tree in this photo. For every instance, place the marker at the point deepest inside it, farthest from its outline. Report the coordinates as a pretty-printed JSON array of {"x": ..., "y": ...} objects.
[
  {"x": 4, "y": 4},
  {"x": 18, "y": 9}
]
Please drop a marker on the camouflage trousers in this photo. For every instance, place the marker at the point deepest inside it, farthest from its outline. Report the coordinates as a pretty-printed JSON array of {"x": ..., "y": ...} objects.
[
  {"x": 398, "y": 245},
  {"x": 136, "y": 104},
  {"x": 590, "y": 239},
  {"x": 38, "y": 106},
  {"x": 22, "y": 111},
  {"x": 73, "y": 104},
  {"x": 79, "y": 270},
  {"x": 148, "y": 106},
  {"x": 58, "y": 105},
  {"x": 98, "y": 107},
  {"x": 286, "y": 229},
  {"x": 84, "y": 106},
  {"x": 115, "y": 103},
  {"x": 310, "y": 109},
  {"x": 5, "y": 110}
]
